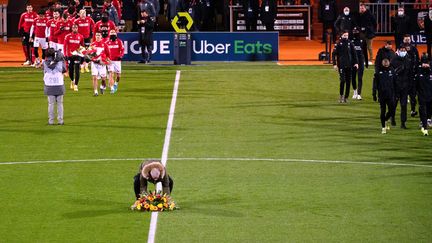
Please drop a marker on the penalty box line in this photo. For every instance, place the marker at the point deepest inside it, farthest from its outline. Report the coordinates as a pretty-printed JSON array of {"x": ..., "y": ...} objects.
[{"x": 165, "y": 150}]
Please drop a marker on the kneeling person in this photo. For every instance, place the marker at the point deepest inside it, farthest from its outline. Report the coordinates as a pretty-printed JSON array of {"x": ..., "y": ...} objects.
[{"x": 152, "y": 171}]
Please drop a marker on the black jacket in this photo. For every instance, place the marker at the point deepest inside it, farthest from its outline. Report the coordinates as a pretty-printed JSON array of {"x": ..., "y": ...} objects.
[
  {"x": 327, "y": 10},
  {"x": 384, "y": 83},
  {"x": 367, "y": 24},
  {"x": 401, "y": 25},
  {"x": 268, "y": 11},
  {"x": 360, "y": 47},
  {"x": 403, "y": 70},
  {"x": 383, "y": 53},
  {"x": 344, "y": 54},
  {"x": 428, "y": 27},
  {"x": 413, "y": 54},
  {"x": 424, "y": 85},
  {"x": 344, "y": 22}
]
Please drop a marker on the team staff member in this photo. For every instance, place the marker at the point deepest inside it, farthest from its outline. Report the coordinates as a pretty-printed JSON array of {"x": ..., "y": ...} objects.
[
  {"x": 400, "y": 25},
  {"x": 250, "y": 11},
  {"x": 38, "y": 37},
  {"x": 428, "y": 31},
  {"x": 85, "y": 28},
  {"x": 52, "y": 27},
  {"x": 367, "y": 25},
  {"x": 152, "y": 171},
  {"x": 403, "y": 70},
  {"x": 268, "y": 13},
  {"x": 145, "y": 28},
  {"x": 360, "y": 47},
  {"x": 344, "y": 60},
  {"x": 327, "y": 14},
  {"x": 413, "y": 54},
  {"x": 345, "y": 22},
  {"x": 24, "y": 25},
  {"x": 385, "y": 52},
  {"x": 72, "y": 43},
  {"x": 424, "y": 91},
  {"x": 384, "y": 83},
  {"x": 99, "y": 62},
  {"x": 116, "y": 49}
]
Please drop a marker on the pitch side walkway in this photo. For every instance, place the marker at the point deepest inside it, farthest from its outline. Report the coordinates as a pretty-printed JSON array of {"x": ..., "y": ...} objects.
[{"x": 292, "y": 52}]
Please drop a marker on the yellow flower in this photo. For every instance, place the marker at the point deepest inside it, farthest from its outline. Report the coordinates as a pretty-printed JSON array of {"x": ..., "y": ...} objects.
[
  {"x": 160, "y": 205},
  {"x": 164, "y": 200},
  {"x": 153, "y": 208},
  {"x": 138, "y": 206},
  {"x": 146, "y": 206},
  {"x": 150, "y": 199},
  {"x": 165, "y": 205},
  {"x": 172, "y": 206}
]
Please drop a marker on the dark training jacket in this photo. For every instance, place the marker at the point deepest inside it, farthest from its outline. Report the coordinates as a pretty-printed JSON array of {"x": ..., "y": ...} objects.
[
  {"x": 424, "y": 85},
  {"x": 403, "y": 70},
  {"x": 344, "y": 54},
  {"x": 384, "y": 83}
]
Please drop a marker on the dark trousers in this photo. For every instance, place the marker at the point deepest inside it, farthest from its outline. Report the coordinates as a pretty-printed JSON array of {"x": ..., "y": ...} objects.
[
  {"x": 146, "y": 41},
  {"x": 27, "y": 45},
  {"x": 137, "y": 184},
  {"x": 345, "y": 81},
  {"x": 387, "y": 106},
  {"x": 402, "y": 98},
  {"x": 412, "y": 96},
  {"x": 328, "y": 25},
  {"x": 425, "y": 109},
  {"x": 74, "y": 68},
  {"x": 429, "y": 44},
  {"x": 360, "y": 72},
  {"x": 251, "y": 24}
]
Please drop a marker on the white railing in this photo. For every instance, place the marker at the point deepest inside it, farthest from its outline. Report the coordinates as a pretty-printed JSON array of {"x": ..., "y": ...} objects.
[{"x": 3, "y": 21}]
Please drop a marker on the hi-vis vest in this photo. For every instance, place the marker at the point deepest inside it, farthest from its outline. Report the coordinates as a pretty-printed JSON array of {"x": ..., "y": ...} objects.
[{"x": 53, "y": 78}]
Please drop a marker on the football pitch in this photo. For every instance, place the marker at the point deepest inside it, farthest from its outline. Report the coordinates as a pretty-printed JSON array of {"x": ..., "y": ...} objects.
[{"x": 258, "y": 153}]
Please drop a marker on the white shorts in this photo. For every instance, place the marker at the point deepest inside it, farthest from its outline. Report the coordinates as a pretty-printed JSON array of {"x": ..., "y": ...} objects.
[
  {"x": 53, "y": 45},
  {"x": 98, "y": 70},
  {"x": 115, "y": 67},
  {"x": 40, "y": 42}
]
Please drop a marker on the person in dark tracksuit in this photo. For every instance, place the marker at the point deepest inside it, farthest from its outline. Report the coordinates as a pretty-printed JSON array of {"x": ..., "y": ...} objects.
[
  {"x": 424, "y": 91},
  {"x": 428, "y": 31},
  {"x": 413, "y": 54},
  {"x": 403, "y": 70},
  {"x": 327, "y": 14},
  {"x": 360, "y": 47},
  {"x": 145, "y": 30},
  {"x": 384, "y": 83},
  {"x": 385, "y": 52},
  {"x": 268, "y": 13},
  {"x": 400, "y": 25},
  {"x": 344, "y": 60},
  {"x": 250, "y": 11},
  {"x": 345, "y": 22}
]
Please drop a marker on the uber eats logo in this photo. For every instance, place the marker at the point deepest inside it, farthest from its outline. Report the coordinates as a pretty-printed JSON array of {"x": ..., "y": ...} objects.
[{"x": 236, "y": 47}]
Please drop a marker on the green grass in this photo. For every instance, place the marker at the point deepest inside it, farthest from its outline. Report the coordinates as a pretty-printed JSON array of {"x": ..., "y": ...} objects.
[{"x": 224, "y": 110}]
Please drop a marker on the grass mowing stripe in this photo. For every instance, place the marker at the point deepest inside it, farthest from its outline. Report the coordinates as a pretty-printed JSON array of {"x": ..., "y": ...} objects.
[
  {"x": 227, "y": 159},
  {"x": 154, "y": 216}
]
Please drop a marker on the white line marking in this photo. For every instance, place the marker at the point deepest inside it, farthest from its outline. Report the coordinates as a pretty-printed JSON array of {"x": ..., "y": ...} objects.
[
  {"x": 227, "y": 159},
  {"x": 154, "y": 215}
]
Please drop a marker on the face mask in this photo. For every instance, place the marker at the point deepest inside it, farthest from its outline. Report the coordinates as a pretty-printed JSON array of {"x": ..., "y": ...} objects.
[
  {"x": 104, "y": 19},
  {"x": 402, "y": 53},
  {"x": 346, "y": 13},
  {"x": 113, "y": 37},
  {"x": 430, "y": 13},
  {"x": 400, "y": 13}
]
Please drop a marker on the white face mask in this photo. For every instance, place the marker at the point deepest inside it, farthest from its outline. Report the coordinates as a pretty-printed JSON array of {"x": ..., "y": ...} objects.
[
  {"x": 430, "y": 13},
  {"x": 400, "y": 13},
  {"x": 346, "y": 13},
  {"x": 402, "y": 53}
]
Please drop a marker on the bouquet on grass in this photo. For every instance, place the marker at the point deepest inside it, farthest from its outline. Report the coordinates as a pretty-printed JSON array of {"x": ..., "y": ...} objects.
[{"x": 154, "y": 201}]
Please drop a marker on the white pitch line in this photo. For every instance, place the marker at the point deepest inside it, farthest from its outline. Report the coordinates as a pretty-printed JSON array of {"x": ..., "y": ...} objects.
[
  {"x": 154, "y": 215},
  {"x": 225, "y": 159}
]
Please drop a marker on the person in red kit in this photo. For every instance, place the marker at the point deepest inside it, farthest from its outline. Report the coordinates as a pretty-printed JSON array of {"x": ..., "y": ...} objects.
[
  {"x": 85, "y": 27},
  {"x": 100, "y": 59},
  {"x": 38, "y": 37},
  {"x": 116, "y": 49},
  {"x": 24, "y": 25},
  {"x": 52, "y": 26},
  {"x": 63, "y": 29},
  {"x": 104, "y": 26},
  {"x": 72, "y": 43}
]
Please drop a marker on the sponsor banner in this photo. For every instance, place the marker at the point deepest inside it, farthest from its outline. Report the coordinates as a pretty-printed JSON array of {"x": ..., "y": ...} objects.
[
  {"x": 417, "y": 24},
  {"x": 209, "y": 46}
]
